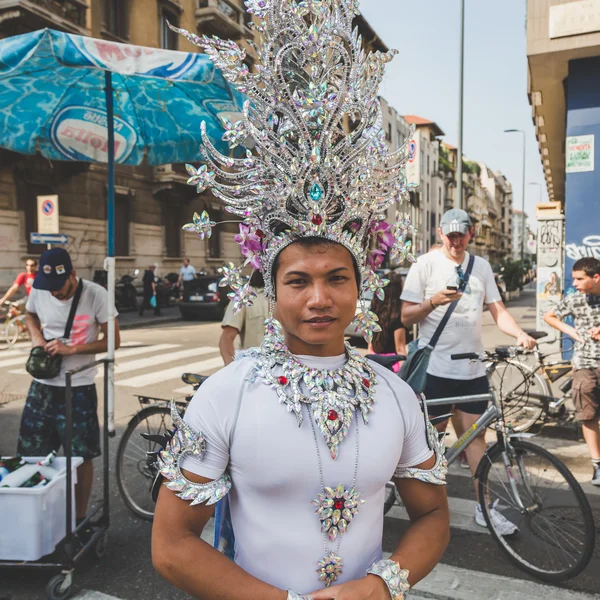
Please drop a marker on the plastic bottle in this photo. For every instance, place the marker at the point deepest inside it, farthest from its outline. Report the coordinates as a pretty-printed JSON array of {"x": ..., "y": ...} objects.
[
  {"x": 27, "y": 470},
  {"x": 35, "y": 481}
]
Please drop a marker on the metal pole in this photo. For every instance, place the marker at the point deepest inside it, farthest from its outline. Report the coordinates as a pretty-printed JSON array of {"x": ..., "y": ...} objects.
[
  {"x": 523, "y": 199},
  {"x": 69, "y": 546},
  {"x": 459, "y": 172},
  {"x": 109, "y": 264}
]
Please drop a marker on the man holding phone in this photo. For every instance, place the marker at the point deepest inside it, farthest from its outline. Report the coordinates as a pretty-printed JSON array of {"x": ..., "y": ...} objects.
[{"x": 431, "y": 285}]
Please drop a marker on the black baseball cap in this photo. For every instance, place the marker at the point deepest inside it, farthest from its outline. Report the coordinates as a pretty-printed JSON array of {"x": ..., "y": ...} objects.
[{"x": 54, "y": 269}]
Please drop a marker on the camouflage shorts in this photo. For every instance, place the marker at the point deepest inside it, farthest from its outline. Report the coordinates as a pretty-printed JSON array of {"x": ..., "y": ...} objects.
[{"x": 43, "y": 422}]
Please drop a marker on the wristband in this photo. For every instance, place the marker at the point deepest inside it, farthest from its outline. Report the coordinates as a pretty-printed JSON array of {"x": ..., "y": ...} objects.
[
  {"x": 293, "y": 596},
  {"x": 432, "y": 304},
  {"x": 395, "y": 578}
]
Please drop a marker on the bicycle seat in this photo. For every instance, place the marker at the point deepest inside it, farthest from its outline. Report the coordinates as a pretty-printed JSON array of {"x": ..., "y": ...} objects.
[
  {"x": 537, "y": 335},
  {"x": 386, "y": 361},
  {"x": 193, "y": 378}
]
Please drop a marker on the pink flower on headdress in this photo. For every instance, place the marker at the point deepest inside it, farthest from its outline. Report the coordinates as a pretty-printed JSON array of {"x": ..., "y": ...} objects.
[
  {"x": 382, "y": 234},
  {"x": 251, "y": 245},
  {"x": 375, "y": 258}
]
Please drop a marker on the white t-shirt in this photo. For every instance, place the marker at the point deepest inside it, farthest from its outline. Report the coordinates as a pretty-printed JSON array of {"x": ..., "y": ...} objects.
[
  {"x": 275, "y": 473},
  {"x": 92, "y": 310},
  {"x": 187, "y": 273},
  {"x": 431, "y": 274}
]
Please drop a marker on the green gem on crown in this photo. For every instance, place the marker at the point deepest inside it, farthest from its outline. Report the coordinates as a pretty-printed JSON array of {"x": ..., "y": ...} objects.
[{"x": 316, "y": 192}]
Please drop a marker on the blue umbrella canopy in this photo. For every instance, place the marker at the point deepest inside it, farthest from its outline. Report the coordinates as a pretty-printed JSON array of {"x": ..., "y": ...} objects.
[{"x": 52, "y": 99}]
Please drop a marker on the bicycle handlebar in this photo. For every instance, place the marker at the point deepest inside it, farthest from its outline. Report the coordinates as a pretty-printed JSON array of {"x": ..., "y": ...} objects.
[{"x": 465, "y": 356}]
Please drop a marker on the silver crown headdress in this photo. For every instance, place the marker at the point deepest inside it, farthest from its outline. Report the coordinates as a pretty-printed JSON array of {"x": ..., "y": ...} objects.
[{"x": 320, "y": 166}]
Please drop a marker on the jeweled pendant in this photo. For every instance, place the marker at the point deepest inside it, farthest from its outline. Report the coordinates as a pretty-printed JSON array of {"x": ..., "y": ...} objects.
[
  {"x": 336, "y": 507},
  {"x": 330, "y": 568}
]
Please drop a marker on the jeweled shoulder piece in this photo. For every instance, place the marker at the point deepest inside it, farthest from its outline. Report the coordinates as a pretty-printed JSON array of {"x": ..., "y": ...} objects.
[
  {"x": 437, "y": 474},
  {"x": 181, "y": 442},
  {"x": 319, "y": 164}
]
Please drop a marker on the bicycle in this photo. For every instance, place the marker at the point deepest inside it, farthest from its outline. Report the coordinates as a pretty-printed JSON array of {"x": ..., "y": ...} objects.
[
  {"x": 535, "y": 490},
  {"x": 135, "y": 468},
  {"x": 526, "y": 388},
  {"x": 14, "y": 324}
]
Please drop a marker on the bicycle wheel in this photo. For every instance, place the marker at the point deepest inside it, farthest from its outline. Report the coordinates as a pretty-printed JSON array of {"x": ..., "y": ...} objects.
[
  {"x": 14, "y": 329},
  {"x": 135, "y": 470},
  {"x": 556, "y": 533},
  {"x": 521, "y": 390}
]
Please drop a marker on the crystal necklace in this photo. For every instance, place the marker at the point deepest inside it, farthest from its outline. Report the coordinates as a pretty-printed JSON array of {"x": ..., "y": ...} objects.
[
  {"x": 333, "y": 395},
  {"x": 336, "y": 507}
]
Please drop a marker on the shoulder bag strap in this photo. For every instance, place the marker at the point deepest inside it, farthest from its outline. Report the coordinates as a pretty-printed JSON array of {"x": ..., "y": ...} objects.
[
  {"x": 440, "y": 328},
  {"x": 73, "y": 310}
]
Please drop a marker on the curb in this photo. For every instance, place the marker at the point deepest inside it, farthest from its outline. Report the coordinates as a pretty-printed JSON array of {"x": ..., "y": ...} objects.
[{"x": 149, "y": 323}]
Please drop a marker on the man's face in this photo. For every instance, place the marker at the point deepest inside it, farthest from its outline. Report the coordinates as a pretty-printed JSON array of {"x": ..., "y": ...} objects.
[
  {"x": 316, "y": 297},
  {"x": 68, "y": 289},
  {"x": 30, "y": 266},
  {"x": 456, "y": 243},
  {"x": 585, "y": 284},
  {"x": 186, "y": 262}
]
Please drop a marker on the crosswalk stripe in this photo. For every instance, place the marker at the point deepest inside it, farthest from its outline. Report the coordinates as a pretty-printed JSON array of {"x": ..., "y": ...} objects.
[
  {"x": 18, "y": 352},
  {"x": 161, "y": 359},
  {"x": 183, "y": 390},
  {"x": 11, "y": 362},
  {"x": 91, "y": 595},
  {"x": 172, "y": 373},
  {"x": 462, "y": 515},
  {"x": 120, "y": 353}
]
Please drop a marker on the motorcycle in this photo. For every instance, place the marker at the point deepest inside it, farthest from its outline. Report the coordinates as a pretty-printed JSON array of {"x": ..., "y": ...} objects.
[{"x": 125, "y": 291}]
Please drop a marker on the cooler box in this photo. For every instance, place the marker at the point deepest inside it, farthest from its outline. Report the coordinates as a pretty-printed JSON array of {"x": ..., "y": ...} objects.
[{"x": 34, "y": 519}]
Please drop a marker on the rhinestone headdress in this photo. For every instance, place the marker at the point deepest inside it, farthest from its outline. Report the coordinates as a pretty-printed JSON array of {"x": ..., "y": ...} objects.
[{"x": 319, "y": 164}]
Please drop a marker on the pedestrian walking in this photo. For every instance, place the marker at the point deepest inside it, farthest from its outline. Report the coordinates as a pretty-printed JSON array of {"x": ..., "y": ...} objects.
[
  {"x": 150, "y": 300},
  {"x": 451, "y": 279},
  {"x": 248, "y": 323},
  {"x": 24, "y": 279},
  {"x": 58, "y": 298},
  {"x": 393, "y": 337},
  {"x": 187, "y": 273},
  {"x": 304, "y": 430},
  {"x": 584, "y": 307}
]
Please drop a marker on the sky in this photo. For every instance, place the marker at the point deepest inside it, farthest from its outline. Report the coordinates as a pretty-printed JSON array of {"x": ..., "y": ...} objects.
[{"x": 423, "y": 79}]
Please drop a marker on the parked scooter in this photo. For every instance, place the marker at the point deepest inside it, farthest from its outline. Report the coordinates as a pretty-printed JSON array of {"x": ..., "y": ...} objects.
[{"x": 125, "y": 291}]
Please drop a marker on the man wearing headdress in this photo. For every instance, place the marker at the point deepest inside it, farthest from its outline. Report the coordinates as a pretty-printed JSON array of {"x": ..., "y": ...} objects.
[{"x": 301, "y": 435}]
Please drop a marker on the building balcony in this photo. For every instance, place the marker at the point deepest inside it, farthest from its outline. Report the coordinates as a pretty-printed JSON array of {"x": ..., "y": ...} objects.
[
  {"x": 479, "y": 240},
  {"x": 223, "y": 18},
  {"x": 21, "y": 16}
]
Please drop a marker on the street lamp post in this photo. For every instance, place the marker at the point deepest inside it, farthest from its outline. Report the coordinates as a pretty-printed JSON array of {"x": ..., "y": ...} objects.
[
  {"x": 461, "y": 93},
  {"x": 523, "y": 192}
]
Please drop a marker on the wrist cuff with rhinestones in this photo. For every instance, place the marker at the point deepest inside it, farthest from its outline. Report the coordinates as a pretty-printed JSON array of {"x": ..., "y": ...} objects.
[
  {"x": 395, "y": 578},
  {"x": 293, "y": 596}
]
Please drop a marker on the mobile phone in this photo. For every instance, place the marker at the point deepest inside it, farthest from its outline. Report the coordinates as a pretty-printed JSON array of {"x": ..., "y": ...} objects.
[{"x": 452, "y": 288}]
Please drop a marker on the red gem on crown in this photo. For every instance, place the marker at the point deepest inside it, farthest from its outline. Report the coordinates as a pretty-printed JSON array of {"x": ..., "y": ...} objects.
[
  {"x": 317, "y": 219},
  {"x": 332, "y": 415},
  {"x": 283, "y": 380}
]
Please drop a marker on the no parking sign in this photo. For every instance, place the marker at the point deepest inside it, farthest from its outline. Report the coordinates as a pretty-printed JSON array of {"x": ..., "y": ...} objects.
[{"x": 47, "y": 214}]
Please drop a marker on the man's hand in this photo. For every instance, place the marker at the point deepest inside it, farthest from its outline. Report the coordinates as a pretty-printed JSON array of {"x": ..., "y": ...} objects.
[
  {"x": 55, "y": 347},
  {"x": 595, "y": 333},
  {"x": 444, "y": 297},
  {"x": 526, "y": 341},
  {"x": 370, "y": 587}
]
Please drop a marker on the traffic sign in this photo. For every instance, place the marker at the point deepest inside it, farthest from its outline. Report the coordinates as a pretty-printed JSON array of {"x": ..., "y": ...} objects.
[
  {"x": 48, "y": 238},
  {"x": 48, "y": 214}
]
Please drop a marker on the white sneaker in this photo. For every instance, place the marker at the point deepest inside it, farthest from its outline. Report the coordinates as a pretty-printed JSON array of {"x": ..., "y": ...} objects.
[{"x": 501, "y": 524}]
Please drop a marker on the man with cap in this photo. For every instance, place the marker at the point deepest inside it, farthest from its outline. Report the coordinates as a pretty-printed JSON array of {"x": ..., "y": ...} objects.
[
  {"x": 432, "y": 284},
  {"x": 43, "y": 421}
]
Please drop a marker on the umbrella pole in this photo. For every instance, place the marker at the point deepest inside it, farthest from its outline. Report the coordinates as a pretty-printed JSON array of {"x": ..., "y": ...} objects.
[{"x": 110, "y": 261}]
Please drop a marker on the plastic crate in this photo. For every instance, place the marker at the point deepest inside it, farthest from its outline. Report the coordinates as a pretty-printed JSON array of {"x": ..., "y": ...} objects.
[{"x": 34, "y": 519}]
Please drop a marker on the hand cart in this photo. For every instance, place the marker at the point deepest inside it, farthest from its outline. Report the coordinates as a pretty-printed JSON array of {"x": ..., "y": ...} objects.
[{"x": 70, "y": 551}]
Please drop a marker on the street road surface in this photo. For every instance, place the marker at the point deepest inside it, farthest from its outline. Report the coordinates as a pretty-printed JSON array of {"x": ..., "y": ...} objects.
[{"x": 151, "y": 362}]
